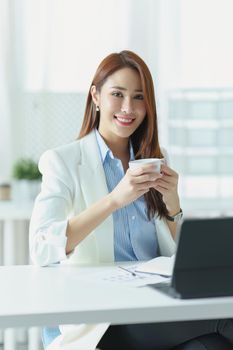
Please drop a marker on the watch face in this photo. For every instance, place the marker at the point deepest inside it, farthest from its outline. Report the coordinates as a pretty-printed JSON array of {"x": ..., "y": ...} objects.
[{"x": 178, "y": 217}]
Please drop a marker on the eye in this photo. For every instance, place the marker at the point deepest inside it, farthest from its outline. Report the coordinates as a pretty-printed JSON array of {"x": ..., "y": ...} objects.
[
  {"x": 139, "y": 97},
  {"x": 117, "y": 94}
]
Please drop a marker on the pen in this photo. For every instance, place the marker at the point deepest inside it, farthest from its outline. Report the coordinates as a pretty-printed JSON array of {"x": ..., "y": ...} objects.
[{"x": 131, "y": 272}]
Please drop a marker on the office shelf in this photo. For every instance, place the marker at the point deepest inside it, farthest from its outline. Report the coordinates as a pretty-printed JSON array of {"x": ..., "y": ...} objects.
[{"x": 200, "y": 129}]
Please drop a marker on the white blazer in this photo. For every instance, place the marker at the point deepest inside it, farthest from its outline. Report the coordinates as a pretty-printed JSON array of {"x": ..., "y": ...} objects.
[{"x": 73, "y": 179}]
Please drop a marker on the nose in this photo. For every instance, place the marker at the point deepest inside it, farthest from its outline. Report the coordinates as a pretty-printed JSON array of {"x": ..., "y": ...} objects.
[{"x": 127, "y": 106}]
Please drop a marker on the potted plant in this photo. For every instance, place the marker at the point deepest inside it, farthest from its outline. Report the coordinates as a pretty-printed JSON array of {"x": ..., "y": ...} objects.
[{"x": 27, "y": 179}]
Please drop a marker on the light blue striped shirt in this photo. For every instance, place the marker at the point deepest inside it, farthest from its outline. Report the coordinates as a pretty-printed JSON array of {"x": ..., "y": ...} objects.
[{"x": 134, "y": 235}]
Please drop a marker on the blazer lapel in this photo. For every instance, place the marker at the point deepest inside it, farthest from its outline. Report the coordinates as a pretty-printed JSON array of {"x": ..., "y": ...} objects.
[{"x": 94, "y": 187}]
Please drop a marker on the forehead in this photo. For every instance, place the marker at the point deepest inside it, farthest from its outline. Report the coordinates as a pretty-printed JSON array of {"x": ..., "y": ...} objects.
[{"x": 127, "y": 78}]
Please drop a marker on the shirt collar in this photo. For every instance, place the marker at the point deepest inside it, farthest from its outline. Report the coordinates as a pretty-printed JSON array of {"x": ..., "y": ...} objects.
[{"x": 105, "y": 150}]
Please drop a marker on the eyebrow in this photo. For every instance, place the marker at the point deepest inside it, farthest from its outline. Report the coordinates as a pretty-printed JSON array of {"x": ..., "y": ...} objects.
[{"x": 122, "y": 88}]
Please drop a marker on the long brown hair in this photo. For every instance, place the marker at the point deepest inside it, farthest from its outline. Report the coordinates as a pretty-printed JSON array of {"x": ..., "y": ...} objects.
[{"x": 145, "y": 139}]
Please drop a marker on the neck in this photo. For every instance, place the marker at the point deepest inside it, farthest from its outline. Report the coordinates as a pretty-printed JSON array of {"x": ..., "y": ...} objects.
[{"x": 118, "y": 146}]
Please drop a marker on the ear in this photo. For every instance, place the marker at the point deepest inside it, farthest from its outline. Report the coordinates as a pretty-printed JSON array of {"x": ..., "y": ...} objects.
[{"x": 95, "y": 95}]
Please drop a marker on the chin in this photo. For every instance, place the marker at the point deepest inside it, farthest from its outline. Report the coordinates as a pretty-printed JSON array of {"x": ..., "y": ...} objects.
[{"x": 124, "y": 133}]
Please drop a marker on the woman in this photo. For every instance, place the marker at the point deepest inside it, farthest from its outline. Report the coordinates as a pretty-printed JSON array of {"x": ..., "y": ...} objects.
[{"x": 90, "y": 199}]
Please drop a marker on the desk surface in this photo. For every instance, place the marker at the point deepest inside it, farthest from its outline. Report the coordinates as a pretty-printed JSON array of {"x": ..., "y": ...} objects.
[{"x": 34, "y": 296}]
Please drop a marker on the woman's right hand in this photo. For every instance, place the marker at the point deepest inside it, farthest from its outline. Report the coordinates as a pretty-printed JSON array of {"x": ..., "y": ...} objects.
[{"x": 134, "y": 184}]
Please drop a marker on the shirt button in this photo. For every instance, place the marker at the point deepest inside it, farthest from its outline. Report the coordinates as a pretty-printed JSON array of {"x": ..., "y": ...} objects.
[{"x": 133, "y": 217}]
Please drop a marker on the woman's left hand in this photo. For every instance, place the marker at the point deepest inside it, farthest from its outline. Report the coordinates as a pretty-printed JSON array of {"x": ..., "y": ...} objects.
[{"x": 167, "y": 185}]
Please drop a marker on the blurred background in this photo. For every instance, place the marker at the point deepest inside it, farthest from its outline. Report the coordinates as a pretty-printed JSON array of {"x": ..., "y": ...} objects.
[{"x": 49, "y": 51}]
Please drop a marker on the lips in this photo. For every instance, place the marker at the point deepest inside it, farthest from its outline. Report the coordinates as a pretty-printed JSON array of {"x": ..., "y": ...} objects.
[{"x": 124, "y": 120}]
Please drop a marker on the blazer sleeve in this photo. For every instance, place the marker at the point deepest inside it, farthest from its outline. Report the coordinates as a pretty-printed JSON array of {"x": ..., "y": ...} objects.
[{"x": 47, "y": 231}]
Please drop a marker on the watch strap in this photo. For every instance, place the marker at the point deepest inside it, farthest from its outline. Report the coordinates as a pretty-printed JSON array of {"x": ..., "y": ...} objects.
[{"x": 176, "y": 217}]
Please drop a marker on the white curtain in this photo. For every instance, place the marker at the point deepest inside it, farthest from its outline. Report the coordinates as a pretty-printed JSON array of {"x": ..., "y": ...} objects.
[
  {"x": 12, "y": 72},
  {"x": 5, "y": 86},
  {"x": 65, "y": 40}
]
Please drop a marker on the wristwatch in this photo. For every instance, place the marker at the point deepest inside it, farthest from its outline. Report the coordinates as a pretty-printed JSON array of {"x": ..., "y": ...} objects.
[{"x": 175, "y": 218}]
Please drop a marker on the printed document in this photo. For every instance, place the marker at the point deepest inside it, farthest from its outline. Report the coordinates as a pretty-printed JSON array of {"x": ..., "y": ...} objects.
[{"x": 161, "y": 265}]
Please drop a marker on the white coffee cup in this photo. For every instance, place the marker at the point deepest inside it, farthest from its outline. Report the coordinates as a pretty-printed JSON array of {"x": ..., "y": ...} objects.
[{"x": 157, "y": 162}]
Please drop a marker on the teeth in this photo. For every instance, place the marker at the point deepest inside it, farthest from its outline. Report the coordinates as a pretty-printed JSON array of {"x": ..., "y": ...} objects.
[{"x": 124, "y": 120}]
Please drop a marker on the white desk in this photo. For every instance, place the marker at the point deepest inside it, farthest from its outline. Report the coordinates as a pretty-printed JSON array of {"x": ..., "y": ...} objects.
[{"x": 34, "y": 296}]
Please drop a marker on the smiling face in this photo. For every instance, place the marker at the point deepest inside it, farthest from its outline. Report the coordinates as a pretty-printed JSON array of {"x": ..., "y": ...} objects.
[{"x": 121, "y": 104}]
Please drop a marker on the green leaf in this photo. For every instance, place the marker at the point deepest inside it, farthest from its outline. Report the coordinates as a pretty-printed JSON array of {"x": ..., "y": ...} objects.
[{"x": 27, "y": 169}]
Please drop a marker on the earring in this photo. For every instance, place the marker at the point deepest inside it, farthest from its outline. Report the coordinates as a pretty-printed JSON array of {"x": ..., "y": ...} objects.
[{"x": 97, "y": 109}]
